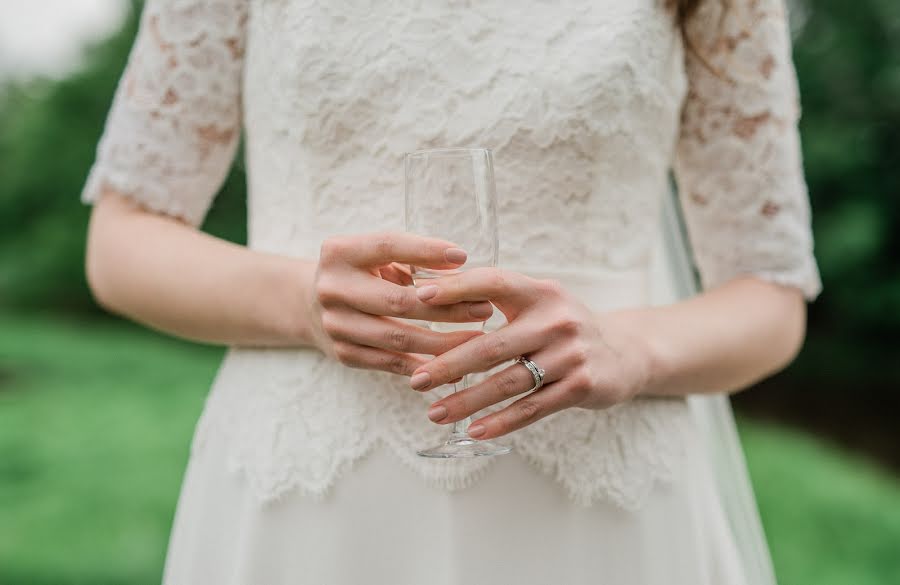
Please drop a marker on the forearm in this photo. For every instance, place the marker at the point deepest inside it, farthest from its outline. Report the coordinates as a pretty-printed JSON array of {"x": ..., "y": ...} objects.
[
  {"x": 724, "y": 339},
  {"x": 172, "y": 277}
]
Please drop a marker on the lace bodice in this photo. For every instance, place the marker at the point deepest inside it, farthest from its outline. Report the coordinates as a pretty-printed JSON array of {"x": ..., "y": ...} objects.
[{"x": 587, "y": 106}]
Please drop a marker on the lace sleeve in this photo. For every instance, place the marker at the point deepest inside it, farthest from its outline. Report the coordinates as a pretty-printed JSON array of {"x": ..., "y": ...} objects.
[
  {"x": 173, "y": 128},
  {"x": 738, "y": 162}
]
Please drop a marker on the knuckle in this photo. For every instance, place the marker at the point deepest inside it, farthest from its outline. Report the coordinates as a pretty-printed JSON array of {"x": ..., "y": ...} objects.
[
  {"x": 527, "y": 409},
  {"x": 330, "y": 324},
  {"x": 508, "y": 385},
  {"x": 499, "y": 281},
  {"x": 552, "y": 286},
  {"x": 440, "y": 370},
  {"x": 580, "y": 380},
  {"x": 396, "y": 364},
  {"x": 383, "y": 244},
  {"x": 567, "y": 325},
  {"x": 399, "y": 339},
  {"x": 578, "y": 392},
  {"x": 581, "y": 354},
  {"x": 399, "y": 301},
  {"x": 344, "y": 353},
  {"x": 602, "y": 397},
  {"x": 332, "y": 249},
  {"x": 327, "y": 291},
  {"x": 493, "y": 348}
]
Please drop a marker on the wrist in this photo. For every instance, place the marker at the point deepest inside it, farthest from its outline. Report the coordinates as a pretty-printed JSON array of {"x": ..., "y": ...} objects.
[
  {"x": 650, "y": 348},
  {"x": 288, "y": 312}
]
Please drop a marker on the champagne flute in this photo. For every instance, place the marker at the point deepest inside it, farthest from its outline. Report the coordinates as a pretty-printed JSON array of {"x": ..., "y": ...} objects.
[{"x": 450, "y": 194}]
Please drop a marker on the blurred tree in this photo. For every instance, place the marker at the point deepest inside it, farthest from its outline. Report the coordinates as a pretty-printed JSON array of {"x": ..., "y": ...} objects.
[
  {"x": 48, "y": 137},
  {"x": 848, "y": 59}
]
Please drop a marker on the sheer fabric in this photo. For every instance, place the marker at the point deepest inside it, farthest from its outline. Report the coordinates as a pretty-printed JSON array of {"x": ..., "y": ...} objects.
[{"x": 738, "y": 161}]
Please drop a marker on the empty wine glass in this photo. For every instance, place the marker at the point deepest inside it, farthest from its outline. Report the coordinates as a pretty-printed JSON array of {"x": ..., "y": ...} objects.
[{"x": 450, "y": 194}]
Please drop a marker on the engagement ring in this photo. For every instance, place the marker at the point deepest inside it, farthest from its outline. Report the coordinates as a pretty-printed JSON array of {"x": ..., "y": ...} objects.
[{"x": 536, "y": 372}]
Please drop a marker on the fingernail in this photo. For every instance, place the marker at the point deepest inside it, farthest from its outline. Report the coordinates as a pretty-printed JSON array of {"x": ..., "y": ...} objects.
[
  {"x": 420, "y": 380},
  {"x": 481, "y": 310},
  {"x": 476, "y": 431},
  {"x": 455, "y": 255},
  {"x": 436, "y": 413},
  {"x": 426, "y": 292}
]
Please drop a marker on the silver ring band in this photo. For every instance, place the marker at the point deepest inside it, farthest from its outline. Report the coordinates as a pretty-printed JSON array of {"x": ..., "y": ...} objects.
[{"x": 536, "y": 372}]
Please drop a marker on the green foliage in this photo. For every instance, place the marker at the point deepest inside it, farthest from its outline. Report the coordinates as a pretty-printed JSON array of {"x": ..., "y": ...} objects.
[
  {"x": 848, "y": 60},
  {"x": 831, "y": 519},
  {"x": 95, "y": 426},
  {"x": 49, "y": 131},
  {"x": 96, "y": 420},
  {"x": 48, "y": 137}
]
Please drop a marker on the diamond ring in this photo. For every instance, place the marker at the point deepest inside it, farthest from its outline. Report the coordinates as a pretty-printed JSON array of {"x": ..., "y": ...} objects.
[{"x": 536, "y": 372}]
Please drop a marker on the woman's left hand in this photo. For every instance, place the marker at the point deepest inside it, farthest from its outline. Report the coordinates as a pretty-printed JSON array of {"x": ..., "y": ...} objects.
[{"x": 590, "y": 360}]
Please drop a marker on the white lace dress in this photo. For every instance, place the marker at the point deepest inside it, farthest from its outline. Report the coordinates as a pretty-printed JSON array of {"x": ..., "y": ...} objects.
[{"x": 303, "y": 471}]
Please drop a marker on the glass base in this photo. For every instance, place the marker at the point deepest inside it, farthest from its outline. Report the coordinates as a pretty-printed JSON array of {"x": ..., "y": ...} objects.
[{"x": 464, "y": 446}]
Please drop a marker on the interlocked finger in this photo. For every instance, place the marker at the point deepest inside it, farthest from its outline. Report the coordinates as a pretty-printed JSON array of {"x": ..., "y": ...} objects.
[
  {"x": 386, "y": 298},
  {"x": 513, "y": 380},
  {"x": 376, "y": 249},
  {"x": 482, "y": 283},
  {"x": 392, "y": 334},
  {"x": 480, "y": 354},
  {"x": 526, "y": 410},
  {"x": 361, "y": 356}
]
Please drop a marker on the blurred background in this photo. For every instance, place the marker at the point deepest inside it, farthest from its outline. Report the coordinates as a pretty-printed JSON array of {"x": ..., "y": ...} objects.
[{"x": 96, "y": 414}]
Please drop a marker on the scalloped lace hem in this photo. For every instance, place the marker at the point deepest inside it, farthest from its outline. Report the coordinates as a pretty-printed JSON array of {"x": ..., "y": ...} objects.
[
  {"x": 124, "y": 183},
  {"x": 622, "y": 474},
  {"x": 273, "y": 491}
]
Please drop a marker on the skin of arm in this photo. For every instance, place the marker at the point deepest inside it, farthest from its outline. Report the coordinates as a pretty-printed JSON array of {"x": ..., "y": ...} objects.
[
  {"x": 160, "y": 271},
  {"x": 724, "y": 339}
]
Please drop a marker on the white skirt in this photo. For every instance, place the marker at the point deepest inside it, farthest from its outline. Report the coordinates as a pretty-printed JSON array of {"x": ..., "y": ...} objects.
[{"x": 381, "y": 524}]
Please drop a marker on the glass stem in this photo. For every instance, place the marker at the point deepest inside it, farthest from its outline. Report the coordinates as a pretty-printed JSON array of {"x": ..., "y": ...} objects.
[{"x": 461, "y": 427}]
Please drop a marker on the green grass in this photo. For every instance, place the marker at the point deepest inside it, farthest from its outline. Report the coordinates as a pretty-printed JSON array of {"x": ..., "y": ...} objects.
[
  {"x": 95, "y": 424},
  {"x": 831, "y": 518}
]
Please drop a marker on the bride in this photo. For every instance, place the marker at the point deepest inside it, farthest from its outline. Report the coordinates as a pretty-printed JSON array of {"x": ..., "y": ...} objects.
[{"x": 303, "y": 466}]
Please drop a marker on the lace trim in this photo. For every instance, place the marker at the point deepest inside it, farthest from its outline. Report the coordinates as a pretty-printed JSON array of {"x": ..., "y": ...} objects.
[{"x": 174, "y": 124}]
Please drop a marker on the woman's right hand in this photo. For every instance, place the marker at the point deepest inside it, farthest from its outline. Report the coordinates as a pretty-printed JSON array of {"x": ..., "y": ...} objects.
[{"x": 361, "y": 290}]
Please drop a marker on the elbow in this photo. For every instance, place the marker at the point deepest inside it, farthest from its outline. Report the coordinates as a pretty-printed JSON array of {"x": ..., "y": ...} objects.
[
  {"x": 103, "y": 253},
  {"x": 791, "y": 329},
  {"x": 96, "y": 268},
  {"x": 98, "y": 288}
]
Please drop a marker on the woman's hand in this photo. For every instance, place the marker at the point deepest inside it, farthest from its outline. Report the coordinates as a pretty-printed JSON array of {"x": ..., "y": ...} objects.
[
  {"x": 360, "y": 289},
  {"x": 590, "y": 360}
]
